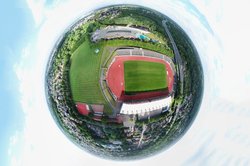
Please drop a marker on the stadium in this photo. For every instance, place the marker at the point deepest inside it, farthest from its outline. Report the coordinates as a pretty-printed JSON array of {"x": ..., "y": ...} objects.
[
  {"x": 124, "y": 82},
  {"x": 141, "y": 80},
  {"x": 121, "y": 80}
]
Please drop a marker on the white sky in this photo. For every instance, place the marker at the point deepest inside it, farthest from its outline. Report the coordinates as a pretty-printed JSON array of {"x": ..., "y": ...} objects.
[{"x": 219, "y": 135}]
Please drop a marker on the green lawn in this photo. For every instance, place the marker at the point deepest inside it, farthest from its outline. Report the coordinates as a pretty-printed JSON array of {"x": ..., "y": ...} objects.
[
  {"x": 142, "y": 76},
  {"x": 84, "y": 74},
  {"x": 134, "y": 43}
]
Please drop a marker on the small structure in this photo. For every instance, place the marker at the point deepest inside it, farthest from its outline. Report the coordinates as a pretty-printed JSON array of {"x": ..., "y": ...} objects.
[
  {"x": 142, "y": 37},
  {"x": 83, "y": 108},
  {"x": 97, "y": 50},
  {"x": 98, "y": 111}
]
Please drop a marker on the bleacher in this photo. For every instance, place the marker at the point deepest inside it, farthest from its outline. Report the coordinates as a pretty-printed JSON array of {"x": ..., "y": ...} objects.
[
  {"x": 142, "y": 52},
  {"x": 145, "y": 107}
]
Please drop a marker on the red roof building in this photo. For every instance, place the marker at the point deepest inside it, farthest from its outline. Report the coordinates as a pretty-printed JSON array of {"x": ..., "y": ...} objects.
[{"x": 83, "y": 109}]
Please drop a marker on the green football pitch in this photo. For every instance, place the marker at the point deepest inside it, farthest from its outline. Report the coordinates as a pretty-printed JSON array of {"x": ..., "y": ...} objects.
[{"x": 143, "y": 76}]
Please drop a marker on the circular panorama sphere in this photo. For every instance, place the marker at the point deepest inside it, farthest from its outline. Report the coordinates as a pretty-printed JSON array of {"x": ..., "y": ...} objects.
[{"x": 124, "y": 82}]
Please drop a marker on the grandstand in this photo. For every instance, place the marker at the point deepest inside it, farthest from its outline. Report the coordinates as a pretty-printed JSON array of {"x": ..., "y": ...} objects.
[
  {"x": 146, "y": 107},
  {"x": 143, "y": 52}
]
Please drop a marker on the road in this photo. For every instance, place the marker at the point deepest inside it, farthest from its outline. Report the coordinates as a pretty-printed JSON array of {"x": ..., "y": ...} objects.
[
  {"x": 177, "y": 55},
  {"x": 144, "y": 127}
]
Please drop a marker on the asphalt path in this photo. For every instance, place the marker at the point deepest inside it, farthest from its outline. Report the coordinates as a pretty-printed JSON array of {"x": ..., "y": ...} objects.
[{"x": 177, "y": 55}]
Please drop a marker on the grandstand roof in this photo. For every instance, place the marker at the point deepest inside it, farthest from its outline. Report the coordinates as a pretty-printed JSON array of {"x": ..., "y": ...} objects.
[{"x": 145, "y": 107}]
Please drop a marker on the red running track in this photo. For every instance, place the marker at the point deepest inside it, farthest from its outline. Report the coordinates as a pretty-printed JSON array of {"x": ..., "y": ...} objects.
[{"x": 115, "y": 78}]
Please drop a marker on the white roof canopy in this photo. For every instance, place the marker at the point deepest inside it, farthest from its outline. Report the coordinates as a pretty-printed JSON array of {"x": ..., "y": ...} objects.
[{"x": 145, "y": 107}]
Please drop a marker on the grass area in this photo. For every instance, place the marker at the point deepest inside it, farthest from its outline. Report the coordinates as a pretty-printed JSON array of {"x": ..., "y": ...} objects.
[
  {"x": 155, "y": 37},
  {"x": 137, "y": 20},
  {"x": 134, "y": 20},
  {"x": 142, "y": 76},
  {"x": 84, "y": 74},
  {"x": 160, "y": 48}
]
